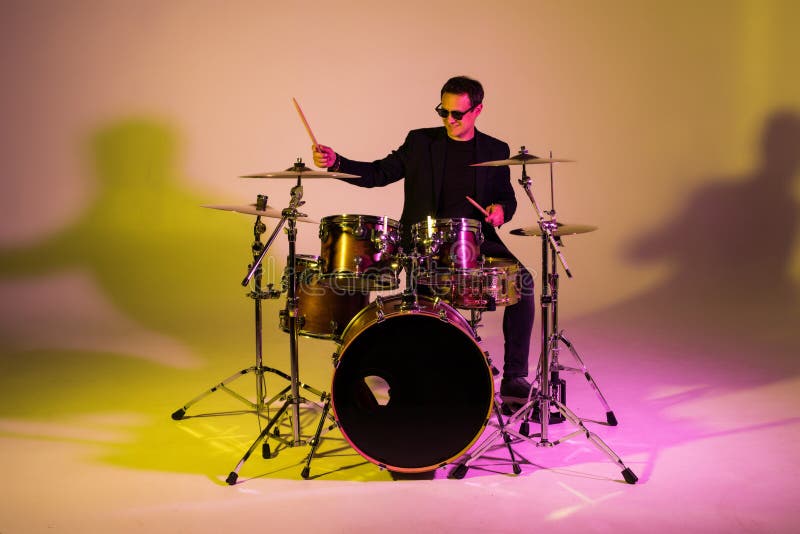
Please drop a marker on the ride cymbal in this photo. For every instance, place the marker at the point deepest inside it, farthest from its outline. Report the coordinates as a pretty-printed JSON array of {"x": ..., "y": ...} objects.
[
  {"x": 561, "y": 229},
  {"x": 521, "y": 159},
  {"x": 250, "y": 209},
  {"x": 299, "y": 170}
]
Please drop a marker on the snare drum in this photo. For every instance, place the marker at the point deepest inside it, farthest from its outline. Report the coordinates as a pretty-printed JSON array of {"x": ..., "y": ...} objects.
[
  {"x": 359, "y": 252},
  {"x": 323, "y": 312},
  {"x": 496, "y": 283},
  {"x": 412, "y": 390},
  {"x": 449, "y": 242}
]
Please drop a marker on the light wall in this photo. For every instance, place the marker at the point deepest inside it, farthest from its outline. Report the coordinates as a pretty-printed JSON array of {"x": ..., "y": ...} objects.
[{"x": 121, "y": 118}]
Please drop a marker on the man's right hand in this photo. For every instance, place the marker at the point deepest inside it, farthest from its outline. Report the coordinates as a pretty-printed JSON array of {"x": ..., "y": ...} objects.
[{"x": 324, "y": 156}]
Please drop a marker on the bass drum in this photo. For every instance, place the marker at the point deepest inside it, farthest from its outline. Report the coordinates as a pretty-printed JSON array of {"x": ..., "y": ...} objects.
[{"x": 412, "y": 390}]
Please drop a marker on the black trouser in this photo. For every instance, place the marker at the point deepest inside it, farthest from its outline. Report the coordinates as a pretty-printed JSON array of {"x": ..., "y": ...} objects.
[{"x": 518, "y": 318}]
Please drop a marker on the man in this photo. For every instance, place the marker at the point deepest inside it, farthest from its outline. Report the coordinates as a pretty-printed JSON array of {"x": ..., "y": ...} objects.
[{"x": 435, "y": 163}]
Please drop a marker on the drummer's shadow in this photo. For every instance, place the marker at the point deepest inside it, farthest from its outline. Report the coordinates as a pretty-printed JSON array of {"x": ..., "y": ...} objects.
[
  {"x": 144, "y": 240},
  {"x": 723, "y": 322},
  {"x": 150, "y": 264},
  {"x": 730, "y": 250}
]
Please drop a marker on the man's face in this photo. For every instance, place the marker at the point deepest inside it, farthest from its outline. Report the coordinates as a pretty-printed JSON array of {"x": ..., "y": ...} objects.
[{"x": 463, "y": 129}]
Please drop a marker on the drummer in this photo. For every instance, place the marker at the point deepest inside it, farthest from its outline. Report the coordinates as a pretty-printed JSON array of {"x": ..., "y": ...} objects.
[{"x": 435, "y": 163}]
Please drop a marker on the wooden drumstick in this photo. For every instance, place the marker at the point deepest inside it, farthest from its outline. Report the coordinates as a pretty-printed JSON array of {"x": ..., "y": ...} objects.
[
  {"x": 305, "y": 122},
  {"x": 478, "y": 206}
]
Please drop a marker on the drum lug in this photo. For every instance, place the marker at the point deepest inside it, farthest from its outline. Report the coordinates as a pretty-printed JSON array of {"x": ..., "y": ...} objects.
[
  {"x": 441, "y": 310},
  {"x": 379, "y": 240},
  {"x": 379, "y": 309},
  {"x": 359, "y": 231},
  {"x": 436, "y": 243}
]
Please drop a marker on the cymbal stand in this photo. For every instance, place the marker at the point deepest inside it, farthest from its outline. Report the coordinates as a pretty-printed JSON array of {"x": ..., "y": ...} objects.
[
  {"x": 548, "y": 389},
  {"x": 258, "y": 294},
  {"x": 293, "y": 400}
]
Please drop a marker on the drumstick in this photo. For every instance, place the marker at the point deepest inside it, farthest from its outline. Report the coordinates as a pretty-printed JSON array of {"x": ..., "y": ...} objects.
[
  {"x": 478, "y": 206},
  {"x": 305, "y": 122}
]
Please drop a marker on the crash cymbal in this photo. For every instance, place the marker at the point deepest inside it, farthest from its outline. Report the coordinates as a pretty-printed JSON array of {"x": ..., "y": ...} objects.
[
  {"x": 521, "y": 159},
  {"x": 561, "y": 229},
  {"x": 250, "y": 209},
  {"x": 299, "y": 170}
]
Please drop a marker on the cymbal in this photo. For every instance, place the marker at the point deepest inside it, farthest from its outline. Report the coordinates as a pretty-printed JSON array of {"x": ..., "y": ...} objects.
[
  {"x": 250, "y": 209},
  {"x": 300, "y": 171},
  {"x": 561, "y": 229},
  {"x": 521, "y": 159}
]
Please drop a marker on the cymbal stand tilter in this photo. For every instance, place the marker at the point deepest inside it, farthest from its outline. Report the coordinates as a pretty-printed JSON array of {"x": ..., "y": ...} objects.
[
  {"x": 548, "y": 389},
  {"x": 257, "y": 294},
  {"x": 293, "y": 400}
]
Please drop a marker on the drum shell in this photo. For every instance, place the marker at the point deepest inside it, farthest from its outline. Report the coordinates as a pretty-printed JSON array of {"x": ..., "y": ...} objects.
[
  {"x": 359, "y": 251},
  {"x": 440, "y": 387},
  {"x": 324, "y": 312},
  {"x": 449, "y": 243},
  {"x": 495, "y": 284}
]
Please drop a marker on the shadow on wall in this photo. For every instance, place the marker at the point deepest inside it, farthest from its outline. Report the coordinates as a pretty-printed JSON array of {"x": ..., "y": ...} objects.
[
  {"x": 729, "y": 310},
  {"x": 731, "y": 246},
  {"x": 91, "y": 318},
  {"x": 721, "y": 328},
  {"x": 162, "y": 261}
]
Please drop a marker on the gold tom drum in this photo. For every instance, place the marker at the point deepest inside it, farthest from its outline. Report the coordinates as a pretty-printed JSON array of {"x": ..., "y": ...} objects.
[
  {"x": 359, "y": 252},
  {"x": 323, "y": 312},
  {"x": 412, "y": 390}
]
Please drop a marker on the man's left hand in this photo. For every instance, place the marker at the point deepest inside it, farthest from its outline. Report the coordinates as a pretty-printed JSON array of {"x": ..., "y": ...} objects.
[{"x": 496, "y": 216}]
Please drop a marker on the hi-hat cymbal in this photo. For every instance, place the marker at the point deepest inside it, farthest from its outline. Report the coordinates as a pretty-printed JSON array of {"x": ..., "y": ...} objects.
[
  {"x": 250, "y": 209},
  {"x": 521, "y": 159},
  {"x": 299, "y": 170},
  {"x": 561, "y": 229}
]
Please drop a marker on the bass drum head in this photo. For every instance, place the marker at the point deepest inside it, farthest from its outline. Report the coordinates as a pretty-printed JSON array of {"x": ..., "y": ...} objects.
[{"x": 412, "y": 392}]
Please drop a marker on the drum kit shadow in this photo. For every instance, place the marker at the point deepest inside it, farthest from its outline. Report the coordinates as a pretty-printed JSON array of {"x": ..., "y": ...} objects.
[{"x": 412, "y": 388}]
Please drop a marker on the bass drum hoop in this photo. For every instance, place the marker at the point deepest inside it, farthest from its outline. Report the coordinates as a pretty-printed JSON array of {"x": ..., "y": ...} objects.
[{"x": 440, "y": 394}]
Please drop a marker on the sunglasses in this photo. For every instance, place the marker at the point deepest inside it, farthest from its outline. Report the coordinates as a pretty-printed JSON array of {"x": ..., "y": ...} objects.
[{"x": 457, "y": 115}]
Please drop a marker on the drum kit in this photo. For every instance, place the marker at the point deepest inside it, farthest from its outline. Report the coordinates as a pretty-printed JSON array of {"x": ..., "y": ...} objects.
[{"x": 412, "y": 389}]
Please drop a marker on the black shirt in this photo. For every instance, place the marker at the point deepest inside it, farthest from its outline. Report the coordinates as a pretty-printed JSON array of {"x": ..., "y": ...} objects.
[{"x": 458, "y": 181}]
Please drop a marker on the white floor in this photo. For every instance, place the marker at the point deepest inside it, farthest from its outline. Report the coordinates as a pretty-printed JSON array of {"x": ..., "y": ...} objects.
[{"x": 708, "y": 424}]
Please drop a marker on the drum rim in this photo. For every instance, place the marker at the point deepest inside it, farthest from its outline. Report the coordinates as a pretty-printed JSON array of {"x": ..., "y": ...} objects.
[
  {"x": 343, "y": 346},
  {"x": 509, "y": 266},
  {"x": 469, "y": 222},
  {"x": 367, "y": 281},
  {"x": 305, "y": 257},
  {"x": 351, "y": 217}
]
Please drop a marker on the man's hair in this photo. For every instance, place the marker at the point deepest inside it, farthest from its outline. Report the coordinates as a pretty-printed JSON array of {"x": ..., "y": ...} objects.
[{"x": 460, "y": 85}]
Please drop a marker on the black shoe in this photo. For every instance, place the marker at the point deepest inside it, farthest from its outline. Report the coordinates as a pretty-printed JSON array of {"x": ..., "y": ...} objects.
[{"x": 514, "y": 390}]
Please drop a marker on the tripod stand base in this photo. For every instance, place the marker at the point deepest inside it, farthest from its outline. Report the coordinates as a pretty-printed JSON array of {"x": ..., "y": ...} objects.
[
  {"x": 259, "y": 371},
  {"x": 462, "y": 466},
  {"x": 629, "y": 477}
]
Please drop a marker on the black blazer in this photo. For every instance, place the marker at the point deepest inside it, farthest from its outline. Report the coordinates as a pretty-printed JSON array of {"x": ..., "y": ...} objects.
[{"x": 420, "y": 160}]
